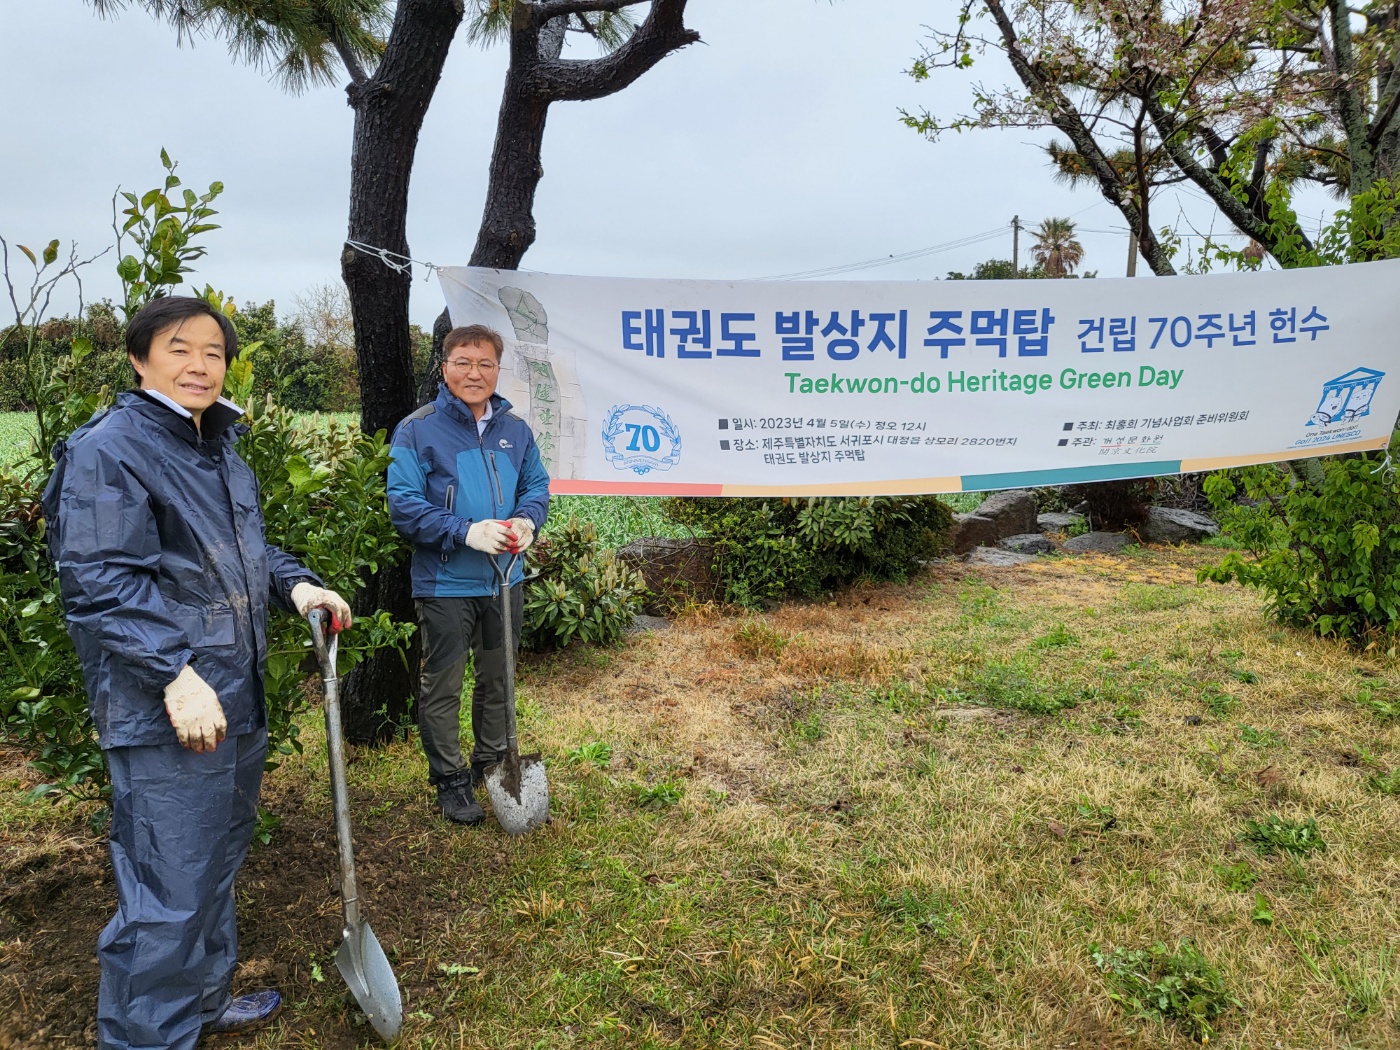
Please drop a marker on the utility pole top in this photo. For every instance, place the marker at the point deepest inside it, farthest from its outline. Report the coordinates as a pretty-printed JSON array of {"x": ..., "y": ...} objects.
[{"x": 1015, "y": 246}]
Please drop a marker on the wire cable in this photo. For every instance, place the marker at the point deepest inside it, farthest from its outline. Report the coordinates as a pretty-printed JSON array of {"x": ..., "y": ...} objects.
[{"x": 887, "y": 260}]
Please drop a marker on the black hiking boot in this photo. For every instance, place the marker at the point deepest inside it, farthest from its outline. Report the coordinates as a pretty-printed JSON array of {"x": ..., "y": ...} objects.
[{"x": 456, "y": 798}]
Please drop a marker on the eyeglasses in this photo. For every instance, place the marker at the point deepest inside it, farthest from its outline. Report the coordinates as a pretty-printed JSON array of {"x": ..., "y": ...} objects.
[{"x": 484, "y": 368}]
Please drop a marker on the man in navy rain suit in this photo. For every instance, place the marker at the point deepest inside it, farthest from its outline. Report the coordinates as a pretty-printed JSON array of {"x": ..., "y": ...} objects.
[
  {"x": 166, "y": 578},
  {"x": 465, "y": 485}
]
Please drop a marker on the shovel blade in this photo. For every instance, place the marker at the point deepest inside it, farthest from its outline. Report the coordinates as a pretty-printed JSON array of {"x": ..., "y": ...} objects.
[
  {"x": 519, "y": 793},
  {"x": 371, "y": 980}
]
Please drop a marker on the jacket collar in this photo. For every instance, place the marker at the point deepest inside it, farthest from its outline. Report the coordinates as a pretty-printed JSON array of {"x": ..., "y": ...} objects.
[
  {"x": 458, "y": 409},
  {"x": 214, "y": 422}
]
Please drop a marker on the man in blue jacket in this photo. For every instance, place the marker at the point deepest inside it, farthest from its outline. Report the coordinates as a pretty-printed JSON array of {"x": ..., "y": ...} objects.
[
  {"x": 166, "y": 577},
  {"x": 465, "y": 485}
]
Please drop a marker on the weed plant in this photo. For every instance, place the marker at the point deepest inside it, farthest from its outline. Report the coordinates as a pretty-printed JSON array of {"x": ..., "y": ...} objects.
[
  {"x": 1181, "y": 985},
  {"x": 1275, "y": 834},
  {"x": 1385, "y": 783}
]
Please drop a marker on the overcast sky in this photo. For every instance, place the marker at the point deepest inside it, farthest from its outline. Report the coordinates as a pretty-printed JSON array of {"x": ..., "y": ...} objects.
[{"x": 772, "y": 147}]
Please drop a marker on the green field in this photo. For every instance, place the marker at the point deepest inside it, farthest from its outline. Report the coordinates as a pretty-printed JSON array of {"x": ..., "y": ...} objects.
[{"x": 15, "y": 428}]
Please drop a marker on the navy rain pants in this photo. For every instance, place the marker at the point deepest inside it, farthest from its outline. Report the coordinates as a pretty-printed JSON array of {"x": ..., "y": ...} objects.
[{"x": 181, "y": 825}]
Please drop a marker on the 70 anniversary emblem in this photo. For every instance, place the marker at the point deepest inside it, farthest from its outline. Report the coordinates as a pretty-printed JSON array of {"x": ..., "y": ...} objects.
[{"x": 640, "y": 438}]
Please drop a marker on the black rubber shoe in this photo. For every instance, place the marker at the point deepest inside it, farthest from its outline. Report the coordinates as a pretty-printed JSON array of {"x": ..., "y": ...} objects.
[{"x": 457, "y": 799}]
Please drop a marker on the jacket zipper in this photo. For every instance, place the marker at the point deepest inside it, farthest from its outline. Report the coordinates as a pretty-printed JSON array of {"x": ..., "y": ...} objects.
[
  {"x": 497, "y": 492},
  {"x": 451, "y": 501}
]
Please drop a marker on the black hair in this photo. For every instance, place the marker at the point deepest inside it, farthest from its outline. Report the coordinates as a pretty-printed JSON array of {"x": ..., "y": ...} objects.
[
  {"x": 473, "y": 335},
  {"x": 168, "y": 312}
]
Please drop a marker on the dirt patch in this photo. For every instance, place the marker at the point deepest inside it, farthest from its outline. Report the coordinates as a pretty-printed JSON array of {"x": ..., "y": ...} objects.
[{"x": 56, "y": 895}]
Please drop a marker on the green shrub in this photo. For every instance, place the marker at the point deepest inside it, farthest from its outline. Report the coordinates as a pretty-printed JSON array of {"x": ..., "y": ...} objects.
[
  {"x": 579, "y": 590},
  {"x": 765, "y": 549},
  {"x": 1326, "y": 555},
  {"x": 323, "y": 498},
  {"x": 43, "y": 706},
  {"x": 1181, "y": 986}
]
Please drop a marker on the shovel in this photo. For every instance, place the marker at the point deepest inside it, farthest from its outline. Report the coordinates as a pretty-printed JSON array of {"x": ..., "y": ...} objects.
[
  {"x": 516, "y": 785},
  {"x": 361, "y": 960}
]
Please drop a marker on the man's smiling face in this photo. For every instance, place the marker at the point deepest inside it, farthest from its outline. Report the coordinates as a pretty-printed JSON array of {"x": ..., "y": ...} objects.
[{"x": 186, "y": 363}]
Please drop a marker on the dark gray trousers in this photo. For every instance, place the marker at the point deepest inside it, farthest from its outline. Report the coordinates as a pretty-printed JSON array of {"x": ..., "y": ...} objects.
[
  {"x": 181, "y": 824},
  {"x": 451, "y": 627}
]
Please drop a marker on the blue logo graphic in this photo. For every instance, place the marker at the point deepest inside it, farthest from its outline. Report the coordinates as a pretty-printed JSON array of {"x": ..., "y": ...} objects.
[
  {"x": 1346, "y": 398},
  {"x": 640, "y": 438}
]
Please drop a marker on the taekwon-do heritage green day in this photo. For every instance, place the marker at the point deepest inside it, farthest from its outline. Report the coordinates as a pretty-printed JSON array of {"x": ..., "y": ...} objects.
[{"x": 995, "y": 381}]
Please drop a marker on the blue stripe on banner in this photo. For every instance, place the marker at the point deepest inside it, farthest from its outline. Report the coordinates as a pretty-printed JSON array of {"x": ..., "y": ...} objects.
[{"x": 1025, "y": 479}]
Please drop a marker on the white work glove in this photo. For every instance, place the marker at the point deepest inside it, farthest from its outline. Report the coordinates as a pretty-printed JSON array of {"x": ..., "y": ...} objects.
[
  {"x": 524, "y": 530},
  {"x": 195, "y": 711},
  {"x": 489, "y": 536},
  {"x": 307, "y": 596}
]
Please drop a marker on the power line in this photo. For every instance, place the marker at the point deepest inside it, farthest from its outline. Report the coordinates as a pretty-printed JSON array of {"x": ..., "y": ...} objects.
[
  {"x": 1123, "y": 231},
  {"x": 886, "y": 260}
]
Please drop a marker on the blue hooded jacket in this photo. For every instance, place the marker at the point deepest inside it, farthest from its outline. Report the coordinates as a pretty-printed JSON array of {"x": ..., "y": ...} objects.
[
  {"x": 162, "y": 559},
  {"x": 443, "y": 479}
]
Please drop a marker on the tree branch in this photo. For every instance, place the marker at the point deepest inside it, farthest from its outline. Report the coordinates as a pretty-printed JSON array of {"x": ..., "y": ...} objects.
[
  {"x": 1245, "y": 220},
  {"x": 1381, "y": 124},
  {"x": 351, "y": 62},
  {"x": 542, "y": 13},
  {"x": 1065, "y": 117},
  {"x": 663, "y": 31}
]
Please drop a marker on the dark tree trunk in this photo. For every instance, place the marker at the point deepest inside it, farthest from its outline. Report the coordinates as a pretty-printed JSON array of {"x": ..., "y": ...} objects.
[
  {"x": 389, "y": 111},
  {"x": 536, "y": 78}
]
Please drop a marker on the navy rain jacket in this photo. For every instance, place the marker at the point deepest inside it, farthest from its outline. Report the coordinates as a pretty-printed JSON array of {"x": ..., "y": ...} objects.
[
  {"x": 162, "y": 560},
  {"x": 443, "y": 479}
]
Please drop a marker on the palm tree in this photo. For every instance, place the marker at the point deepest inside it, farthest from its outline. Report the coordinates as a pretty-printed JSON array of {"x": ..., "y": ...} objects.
[{"x": 1055, "y": 248}]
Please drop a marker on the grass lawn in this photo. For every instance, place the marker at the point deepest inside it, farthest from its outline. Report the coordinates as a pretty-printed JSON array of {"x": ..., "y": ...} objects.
[
  {"x": 15, "y": 430},
  {"x": 901, "y": 817}
]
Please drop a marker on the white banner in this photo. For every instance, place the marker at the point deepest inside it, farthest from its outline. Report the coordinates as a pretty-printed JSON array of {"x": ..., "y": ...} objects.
[{"x": 753, "y": 388}]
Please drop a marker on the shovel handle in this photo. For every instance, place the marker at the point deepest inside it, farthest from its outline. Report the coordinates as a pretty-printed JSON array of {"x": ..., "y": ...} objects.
[
  {"x": 508, "y": 640},
  {"x": 325, "y": 644}
]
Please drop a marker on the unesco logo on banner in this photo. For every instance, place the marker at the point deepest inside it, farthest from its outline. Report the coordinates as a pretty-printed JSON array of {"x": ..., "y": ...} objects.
[
  {"x": 1346, "y": 398},
  {"x": 640, "y": 438}
]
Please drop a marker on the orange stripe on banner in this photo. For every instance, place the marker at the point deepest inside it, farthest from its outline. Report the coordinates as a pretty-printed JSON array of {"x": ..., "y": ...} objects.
[
  {"x": 895, "y": 487},
  {"x": 575, "y": 487},
  {"x": 1191, "y": 466}
]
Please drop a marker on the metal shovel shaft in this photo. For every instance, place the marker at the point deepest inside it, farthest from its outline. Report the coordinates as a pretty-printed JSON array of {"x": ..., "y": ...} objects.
[
  {"x": 517, "y": 786},
  {"x": 335, "y": 748},
  {"x": 508, "y": 635},
  {"x": 361, "y": 960}
]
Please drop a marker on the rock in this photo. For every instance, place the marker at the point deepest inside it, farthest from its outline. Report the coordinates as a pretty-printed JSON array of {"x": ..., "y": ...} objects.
[
  {"x": 1099, "y": 542},
  {"x": 1026, "y": 543},
  {"x": 1014, "y": 512},
  {"x": 642, "y": 623},
  {"x": 972, "y": 530},
  {"x": 996, "y": 556},
  {"x": 1058, "y": 521},
  {"x": 1172, "y": 525},
  {"x": 675, "y": 571}
]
